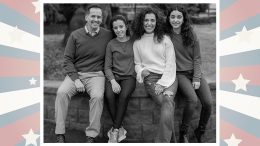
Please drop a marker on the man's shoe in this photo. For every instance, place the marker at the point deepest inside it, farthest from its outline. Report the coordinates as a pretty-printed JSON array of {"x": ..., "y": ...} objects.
[
  {"x": 89, "y": 139},
  {"x": 60, "y": 138},
  {"x": 183, "y": 138}
]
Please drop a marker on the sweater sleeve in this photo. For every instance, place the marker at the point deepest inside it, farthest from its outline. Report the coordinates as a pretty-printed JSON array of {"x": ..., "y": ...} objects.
[
  {"x": 169, "y": 73},
  {"x": 196, "y": 60},
  {"x": 69, "y": 58},
  {"x": 108, "y": 63},
  {"x": 138, "y": 63}
]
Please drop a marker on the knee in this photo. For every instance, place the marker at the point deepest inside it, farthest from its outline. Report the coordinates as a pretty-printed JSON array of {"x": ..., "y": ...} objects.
[
  {"x": 207, "y": 105},
  {"x": 192, "y": 101},
  {"x": 124, "y": 96},
  {"x": 97, "y": 96},
  {"x": 206, "y": 102},
  {"x": 61, "y": 95}
]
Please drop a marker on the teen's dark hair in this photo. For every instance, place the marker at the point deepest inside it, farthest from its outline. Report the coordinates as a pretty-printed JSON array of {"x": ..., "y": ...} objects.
[
  {"x": 119, "y": 17},
  {"x": 92, "y": 6},
  {"x": 138, "y": 25},
  {"x": 186, "y": 29}
]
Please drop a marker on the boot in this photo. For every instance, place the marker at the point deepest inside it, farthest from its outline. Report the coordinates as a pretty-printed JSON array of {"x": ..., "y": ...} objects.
[
  {"x": 183, "y": 138},
  {"x": 198, "y": 132}
]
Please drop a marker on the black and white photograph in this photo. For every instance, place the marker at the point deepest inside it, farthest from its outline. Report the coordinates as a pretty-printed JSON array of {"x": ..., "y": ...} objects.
[{"x": 129, "y": 72}]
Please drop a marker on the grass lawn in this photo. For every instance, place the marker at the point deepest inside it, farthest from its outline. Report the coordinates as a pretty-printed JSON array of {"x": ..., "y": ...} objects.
[
  {"x": 207, "y": 38},
  {"x": 53, "y": 52}
]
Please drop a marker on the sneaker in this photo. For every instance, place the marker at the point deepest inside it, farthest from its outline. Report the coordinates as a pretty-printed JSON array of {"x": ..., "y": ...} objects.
[
  {"x": 183, "y": 138},
  {"x": 113, "y": 137},
  {"x": 108, "y": 133},
  {"x": 121, "y": 134},
  {"x": 60, "y": 138},
  {"x": 89, "y": 139}
]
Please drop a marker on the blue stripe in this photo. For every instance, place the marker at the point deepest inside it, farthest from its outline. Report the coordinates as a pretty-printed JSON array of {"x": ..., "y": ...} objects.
[
  {"x": 23, "y": 142},
  {"x": 226, "y": 3},
  {"x": 18, "y": 53},
  {"x": 13, "y": 116},
  {"x": 241, "y": 121},
  {"x": 13, "y": 18},
  {"x": 249, "y": 58},
  {"x": 223, "y": 143},
  {"x": 17, "y": 83},
  {"x": 251, "y": 90},
  {"x": 250, "y": 23}
]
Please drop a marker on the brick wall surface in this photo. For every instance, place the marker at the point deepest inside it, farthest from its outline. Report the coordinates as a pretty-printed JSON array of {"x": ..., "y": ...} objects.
[{"x": 141, "y": 118}]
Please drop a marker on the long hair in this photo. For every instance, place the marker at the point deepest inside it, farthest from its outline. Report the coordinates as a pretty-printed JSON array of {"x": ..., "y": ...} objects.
[
  {"x": 186, "y": 29},
  {"x": 124, "y": 19},
  {"x": 138, "y": 25}
]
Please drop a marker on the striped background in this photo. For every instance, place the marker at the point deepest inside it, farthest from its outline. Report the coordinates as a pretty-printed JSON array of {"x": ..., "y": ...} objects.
[
  {"x": 238, "y": 55},
  {"x": 239, "y": 52},
  {"x": 19, "y": 64}
]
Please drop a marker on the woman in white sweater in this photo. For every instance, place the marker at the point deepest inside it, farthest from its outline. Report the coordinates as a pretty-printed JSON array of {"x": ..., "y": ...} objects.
[{"x": 155, "y": 66}]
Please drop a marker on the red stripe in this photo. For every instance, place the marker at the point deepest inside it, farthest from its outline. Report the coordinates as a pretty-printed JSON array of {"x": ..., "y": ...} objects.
[
  {"x": 25, "y": 7},
  {"x": 239, "y": 11},
  {"x": 227, "y": 129},
  {"x": 249, "y": 73},
  {"x": 12, "y": 134},
  {"x": 18, "y": 67}
]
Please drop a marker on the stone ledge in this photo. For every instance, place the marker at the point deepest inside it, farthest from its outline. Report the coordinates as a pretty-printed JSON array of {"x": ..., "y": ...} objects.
[{"x": 141, "y": 118}]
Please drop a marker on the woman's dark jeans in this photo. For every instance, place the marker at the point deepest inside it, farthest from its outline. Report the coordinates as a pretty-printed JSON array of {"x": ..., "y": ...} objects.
[
  {"x": 117, "y": 103},
  {"x": 190, "y": 95},
  {"x": 166, "y": 101}
]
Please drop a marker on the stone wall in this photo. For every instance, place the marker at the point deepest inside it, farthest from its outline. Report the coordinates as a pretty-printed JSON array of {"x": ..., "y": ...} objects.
[{"x": 141, "y": 118}]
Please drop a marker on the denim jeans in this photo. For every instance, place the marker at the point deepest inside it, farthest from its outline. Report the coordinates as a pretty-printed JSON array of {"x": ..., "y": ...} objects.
[
  {"x": 166, "y": 101},
  {"x": 190, "y": 95},
  {"x": 117, "y": 103}
]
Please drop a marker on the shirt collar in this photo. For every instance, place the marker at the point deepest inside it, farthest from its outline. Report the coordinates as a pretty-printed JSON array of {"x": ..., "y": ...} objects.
[{"x": 93, "y": 33}]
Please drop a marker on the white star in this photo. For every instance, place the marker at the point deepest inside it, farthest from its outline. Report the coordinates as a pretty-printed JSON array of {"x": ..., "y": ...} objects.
[
  {"x": 240, "y": 83},
  {"x": 244, "y": 35},
  {"x": 232, "y": 141},
  {"x": 15, "y": 35},
  {"x": 31, "y": 138},
  {"x": 243, "y": 30},
  {"x": 36, "y": 5},
  {"x": 32, "y": 81}
]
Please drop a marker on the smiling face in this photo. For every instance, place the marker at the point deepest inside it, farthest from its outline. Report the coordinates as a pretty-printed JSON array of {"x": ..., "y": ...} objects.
[
  {"x": 149, "y": 23},
  {"x": 176, "y": 19},
  {"x": 119, "y": 28},
  {"x": 94, "y": 18}
]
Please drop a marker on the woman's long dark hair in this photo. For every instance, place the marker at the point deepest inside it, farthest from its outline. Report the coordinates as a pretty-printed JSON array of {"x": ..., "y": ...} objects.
[
  {"x": 186, "y": 29},
  {"x": 119, "y": 17},
  {"x": 138, "y": 25}
]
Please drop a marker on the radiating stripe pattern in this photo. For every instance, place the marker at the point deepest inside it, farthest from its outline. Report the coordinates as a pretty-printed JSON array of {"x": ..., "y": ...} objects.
[
  {"x": 239, "y": 91},
  {"x": 20, "y": 91},
  {"x": 239, "y": 50}
]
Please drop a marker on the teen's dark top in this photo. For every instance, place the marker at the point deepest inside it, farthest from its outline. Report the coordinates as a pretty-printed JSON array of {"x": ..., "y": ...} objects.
[
  {"x": 119, "y": 60},
  {"x": 187, "y": 58}
]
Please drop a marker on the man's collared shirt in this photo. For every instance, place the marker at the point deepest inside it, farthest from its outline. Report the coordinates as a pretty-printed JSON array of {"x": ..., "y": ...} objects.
[{"x": 92, "y": 33}]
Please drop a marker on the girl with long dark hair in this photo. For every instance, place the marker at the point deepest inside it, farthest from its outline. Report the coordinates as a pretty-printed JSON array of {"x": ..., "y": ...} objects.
[
  {"x": 119, "y": 70},
  {"x": 192, "y": 83},
  {"x": 155, "y": 67}
]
